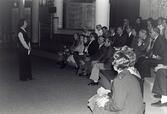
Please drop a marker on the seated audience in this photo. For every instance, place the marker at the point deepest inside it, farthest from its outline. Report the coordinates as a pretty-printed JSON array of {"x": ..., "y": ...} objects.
[
  {"x": 125, "y": 93},
  {"x": 101, "y": 49},
  {"x": 78, "y": 51},
  {"x": 67, "y": 51},
  {"x": 80, "y": 47},
  {"x": 104, "y": 64},
  {"x": 91, "y": 48},
  {"x": 141, "y": 54},
  {"x": 142, "y": 44},
  {"x": 159, "y": 53},
  {"x": 94, "y": 58},
  {"x": 106, "y": 32},
  {"x": 75, "y": 41}
]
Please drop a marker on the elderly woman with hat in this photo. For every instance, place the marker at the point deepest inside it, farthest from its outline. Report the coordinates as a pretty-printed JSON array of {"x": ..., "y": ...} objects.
[{"x": 126, "y": 96}]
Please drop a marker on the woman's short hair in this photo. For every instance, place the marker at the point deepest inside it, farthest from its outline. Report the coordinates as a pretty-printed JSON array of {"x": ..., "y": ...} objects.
[
  {"x": 21, "y": 22},
  {"x": 124, "y": 57}
]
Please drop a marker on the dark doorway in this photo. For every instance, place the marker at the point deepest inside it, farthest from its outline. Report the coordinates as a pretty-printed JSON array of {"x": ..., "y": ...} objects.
[{"x": 121, "y": 9}]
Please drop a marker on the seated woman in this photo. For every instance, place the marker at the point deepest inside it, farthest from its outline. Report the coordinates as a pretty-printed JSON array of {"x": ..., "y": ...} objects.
[
  {"x": 75, "y": 41},
  {"x": 104, "y": 64},
  {"x": 90, "y": 50},
  {"x": 67, "y": 51},
  {"x": 78, "y": 51},
  {"x": 125, "y": 96}
]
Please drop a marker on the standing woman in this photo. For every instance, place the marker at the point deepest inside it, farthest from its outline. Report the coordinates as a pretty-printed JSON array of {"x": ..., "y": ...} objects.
[{"x": 24, "y": 49}]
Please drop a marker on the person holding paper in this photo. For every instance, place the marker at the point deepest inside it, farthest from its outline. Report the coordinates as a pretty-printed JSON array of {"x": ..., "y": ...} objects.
[{"x": 24, "y": 49}]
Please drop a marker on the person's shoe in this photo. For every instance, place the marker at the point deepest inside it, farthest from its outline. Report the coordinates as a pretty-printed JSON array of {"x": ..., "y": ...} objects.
[
  {"x": 157, "y": 96},
  {"x": 159, "y": 104},
  {"x": 93, "y": 83}
]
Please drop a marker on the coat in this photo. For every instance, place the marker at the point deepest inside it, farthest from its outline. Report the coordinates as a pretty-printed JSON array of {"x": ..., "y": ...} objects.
[
  {"x": 126, "y": 98},
  {"x": 120, "y": 40},
  {"x": 159, "y": 49},
  {"x": 93, "y": 48},
  {"x": 99, "y": 55}
]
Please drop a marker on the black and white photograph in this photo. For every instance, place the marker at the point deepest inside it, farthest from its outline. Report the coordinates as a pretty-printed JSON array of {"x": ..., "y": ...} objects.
[{"x": 83, "y": 56}]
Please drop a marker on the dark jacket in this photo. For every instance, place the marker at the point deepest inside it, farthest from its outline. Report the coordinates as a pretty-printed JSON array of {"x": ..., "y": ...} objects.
[
  {"x": 129, "y": 40},
  {"x": 141, "y": 51},
  {"x": 108, "y": 55},
  {"x": 93, "y": 48},
  {"x": 159, "y": 49},
  {"x": 100, "y": 53},
  {"x": 126, "y": 95},
  {"x": 112, "y": 39},
  {"x": 120, "y": 41}
]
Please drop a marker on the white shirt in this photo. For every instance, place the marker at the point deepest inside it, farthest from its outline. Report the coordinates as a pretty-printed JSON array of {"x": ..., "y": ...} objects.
[{"x": 130, "y": 34}]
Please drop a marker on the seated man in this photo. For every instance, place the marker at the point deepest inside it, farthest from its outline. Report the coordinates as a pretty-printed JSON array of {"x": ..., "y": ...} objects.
[
  {"x": 90, "y": 48},
  {"x": 140, "y": 48},
  {"x": 94, "y": 58},
  {"x": 104, "y": 64},
  {"x": 159, "y": 53},
  {"x": 121, "y": 38}
]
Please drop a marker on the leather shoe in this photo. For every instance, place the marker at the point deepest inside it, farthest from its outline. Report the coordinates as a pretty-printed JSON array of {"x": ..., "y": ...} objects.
[
  {"x": 93, "y": 83},
  {"x": 159, "y": 104}
]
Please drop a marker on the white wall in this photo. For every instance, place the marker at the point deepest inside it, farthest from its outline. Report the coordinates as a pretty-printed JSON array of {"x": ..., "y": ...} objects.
[
  {"x": 102, "y": 12},
  {"x": 153, "y": 8},
  {"x": 59, "y": 13}
]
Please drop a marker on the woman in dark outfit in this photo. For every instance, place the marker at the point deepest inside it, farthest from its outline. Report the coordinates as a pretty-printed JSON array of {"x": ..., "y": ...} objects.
[{"x": 24, "y": 49}]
